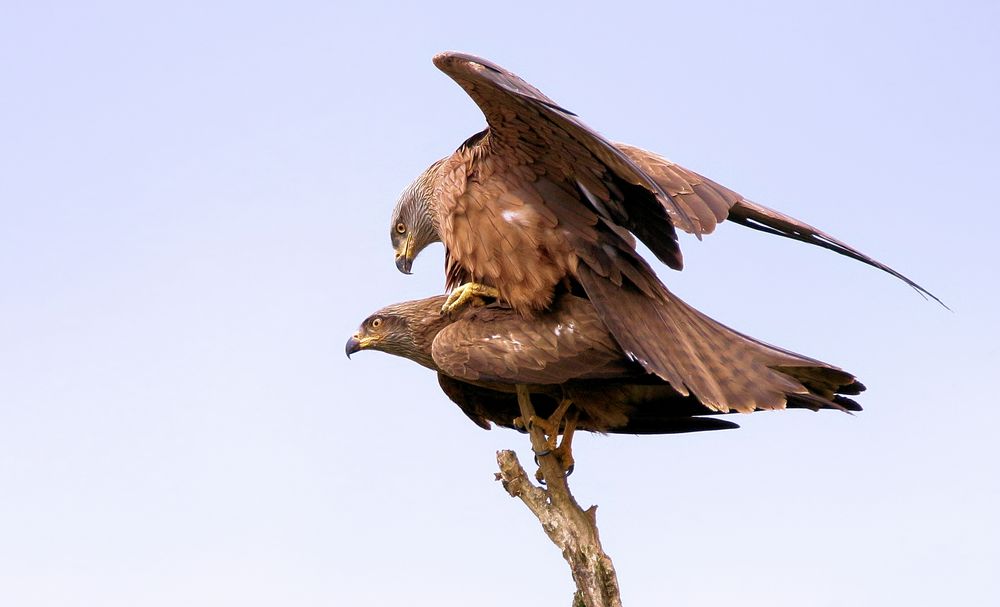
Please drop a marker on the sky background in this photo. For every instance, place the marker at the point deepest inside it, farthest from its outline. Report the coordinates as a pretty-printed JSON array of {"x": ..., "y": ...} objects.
[{"x": 194, "y": 210}]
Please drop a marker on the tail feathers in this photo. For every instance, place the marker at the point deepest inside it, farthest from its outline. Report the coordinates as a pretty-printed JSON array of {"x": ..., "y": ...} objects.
[
  {"x": 758, "y": 217},
  {"x": 725, "y": 370}
]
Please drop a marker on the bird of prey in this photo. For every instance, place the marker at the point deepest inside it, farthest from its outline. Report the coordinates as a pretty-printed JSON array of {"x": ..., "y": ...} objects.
[
  {"x": 539, "y": 204},
  {"x": 566, "y": 357}
]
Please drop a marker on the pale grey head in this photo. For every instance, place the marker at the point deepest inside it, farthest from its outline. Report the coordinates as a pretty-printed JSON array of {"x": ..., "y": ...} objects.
[{"x": 413, "y": 224}]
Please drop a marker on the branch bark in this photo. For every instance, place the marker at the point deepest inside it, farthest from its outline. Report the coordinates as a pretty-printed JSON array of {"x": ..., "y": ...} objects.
[{"x": 572, "y": 529}]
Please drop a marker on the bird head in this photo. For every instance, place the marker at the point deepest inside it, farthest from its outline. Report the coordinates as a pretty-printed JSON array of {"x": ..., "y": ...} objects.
[
  {"x": 406, "y": 329},
  {"x": 413, "y": 224}
]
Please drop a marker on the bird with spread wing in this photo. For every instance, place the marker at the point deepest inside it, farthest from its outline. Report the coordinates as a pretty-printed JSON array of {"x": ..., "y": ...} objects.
[
  {"x": 578, "y": 375},
  {"x": 539, "y": 204}
]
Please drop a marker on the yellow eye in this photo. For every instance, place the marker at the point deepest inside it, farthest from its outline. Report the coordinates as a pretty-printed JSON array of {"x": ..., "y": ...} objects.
[
  {"x": 401, "y": 228},
  {"x": 376, "y": 323}
]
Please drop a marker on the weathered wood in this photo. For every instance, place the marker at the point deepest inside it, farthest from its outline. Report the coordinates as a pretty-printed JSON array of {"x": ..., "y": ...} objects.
[{"x": 572, "y": 529}]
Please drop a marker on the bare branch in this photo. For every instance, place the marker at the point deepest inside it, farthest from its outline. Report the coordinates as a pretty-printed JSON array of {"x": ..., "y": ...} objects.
[{"x": 572, "y": 529}]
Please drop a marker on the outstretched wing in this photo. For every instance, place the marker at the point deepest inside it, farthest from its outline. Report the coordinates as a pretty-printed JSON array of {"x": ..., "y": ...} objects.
[
  {"x": 551, "y": 184},
  {"x": 711, "y": 203},
  {"x": 759, "y": 217},
  {"x": 536, "y": 137},
  {"x": 620, "y": 181},
  {"x": 700, "y": 197},
  {"x": 497, "y": 344}
]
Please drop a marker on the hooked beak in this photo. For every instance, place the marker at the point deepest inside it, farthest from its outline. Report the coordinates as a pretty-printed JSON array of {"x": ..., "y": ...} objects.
[
  {"x": 353, "y": 345},
  {"x": 404, "y": 257}
]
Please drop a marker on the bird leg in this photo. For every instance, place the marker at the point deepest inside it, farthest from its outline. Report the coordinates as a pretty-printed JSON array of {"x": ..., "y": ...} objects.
[
  {"x": 466, "y": 292},
  {"x": 550, "y": 426},
  {"x": 570, "y": 527},
  {"x": 561, "y": 450}
]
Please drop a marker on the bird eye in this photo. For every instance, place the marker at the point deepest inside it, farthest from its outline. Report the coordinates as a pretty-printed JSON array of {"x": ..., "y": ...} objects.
[
  {"x": 376, "y": 323},
  {"x": 401, "y": 228}
]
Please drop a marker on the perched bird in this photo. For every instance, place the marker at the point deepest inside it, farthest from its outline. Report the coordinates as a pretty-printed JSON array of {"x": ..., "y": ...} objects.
[
  {"x": 539, "y": 204},
  {"x": 577, "y": 374}
]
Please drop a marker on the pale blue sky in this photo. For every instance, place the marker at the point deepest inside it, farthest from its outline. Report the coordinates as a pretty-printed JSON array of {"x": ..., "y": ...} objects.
[{"x": 194, "y": 209}]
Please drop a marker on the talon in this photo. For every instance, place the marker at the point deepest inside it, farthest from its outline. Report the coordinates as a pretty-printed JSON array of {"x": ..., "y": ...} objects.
[
  {"x": 466, "y": 292},
  {"x": 562, "y": 450},
  {"x": 541, "y": 478},
  {"x": 557, "y": 423}
]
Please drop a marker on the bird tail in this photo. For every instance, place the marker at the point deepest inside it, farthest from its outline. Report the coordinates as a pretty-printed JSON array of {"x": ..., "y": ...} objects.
[{"x": 724, "y": 369}]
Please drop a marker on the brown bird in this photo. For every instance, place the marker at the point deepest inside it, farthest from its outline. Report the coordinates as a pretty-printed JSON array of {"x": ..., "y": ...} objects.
[
  {"x": 577, "y": 374},
  {"x": 538, "y": 204}
]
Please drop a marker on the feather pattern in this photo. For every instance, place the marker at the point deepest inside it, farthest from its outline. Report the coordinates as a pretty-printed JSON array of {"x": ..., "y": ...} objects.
[
  {"x": 540, "y": 203},
  {"x": 481, "y": 353}
]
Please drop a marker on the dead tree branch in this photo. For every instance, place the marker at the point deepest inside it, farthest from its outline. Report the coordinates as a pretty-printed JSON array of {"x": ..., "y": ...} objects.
[{"x": 572, "y": 529}]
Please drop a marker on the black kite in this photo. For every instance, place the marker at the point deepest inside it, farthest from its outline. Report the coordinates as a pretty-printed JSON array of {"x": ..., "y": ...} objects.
[
  {"x": 539, "y": 204},
  {"x": 566, "y": 355}
]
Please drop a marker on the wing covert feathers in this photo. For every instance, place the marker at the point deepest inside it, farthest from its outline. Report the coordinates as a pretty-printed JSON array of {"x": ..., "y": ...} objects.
[
  {"x": 530, "y": 135},
  {"x": 529, "y": 128},
  {"x": 569, "y": 342},
  {"x": 724, "y": 369},
  {"x": 703, "y": 200}
]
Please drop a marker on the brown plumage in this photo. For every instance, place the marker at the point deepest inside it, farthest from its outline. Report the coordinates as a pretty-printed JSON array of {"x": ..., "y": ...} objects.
[
  {"x": 481, "y": 353},
  {"x": 539, "y": 204}
]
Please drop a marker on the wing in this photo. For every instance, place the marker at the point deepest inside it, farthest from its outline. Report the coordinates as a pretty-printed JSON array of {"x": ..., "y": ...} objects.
[
  {"x": 761, "y": 218},
  {"x": 529, "y": 129},
  {"x": 484, "y": 405},
  {"x": 700, "y": 197},
  {"x": 481, "y": 405},
  {"x": 711, "y": 203},
  {"x": 724, "y": 369},
  {"x": 641, "y": 191},
  {"x": 499, "y": 345}
]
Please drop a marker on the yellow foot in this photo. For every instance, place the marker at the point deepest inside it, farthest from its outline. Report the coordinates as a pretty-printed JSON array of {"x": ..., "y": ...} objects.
[
  {"x": 469, "y": 291},
  {"x": 552, "y": 426},
  {"x": 564, "y": 457},
  {"x": 562, "y": 450}
]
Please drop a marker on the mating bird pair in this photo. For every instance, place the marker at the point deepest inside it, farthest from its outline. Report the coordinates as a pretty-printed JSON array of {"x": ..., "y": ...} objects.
[{"x": 538, "y": 215}]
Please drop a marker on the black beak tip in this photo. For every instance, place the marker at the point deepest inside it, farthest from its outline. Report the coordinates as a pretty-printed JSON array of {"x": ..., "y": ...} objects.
[
  {"x": 353, "y": 345},
  {"x": 403, "y": 264}
]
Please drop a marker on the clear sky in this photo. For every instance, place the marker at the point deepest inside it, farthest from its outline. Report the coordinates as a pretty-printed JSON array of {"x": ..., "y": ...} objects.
[{"x": 194, "y": 209}]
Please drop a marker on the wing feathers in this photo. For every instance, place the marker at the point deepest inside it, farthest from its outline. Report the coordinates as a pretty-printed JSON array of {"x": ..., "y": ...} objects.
[
  {"x": 641, "y": 191},
  {"x": 701, "y": 198},
  {"x": 725, "y": 370},
  {"x": 759, "y": 217},
  {"x": 567, "y": 343},
  {"x": 568, "y": 352},
  {"x": 525, "y": 124}
]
